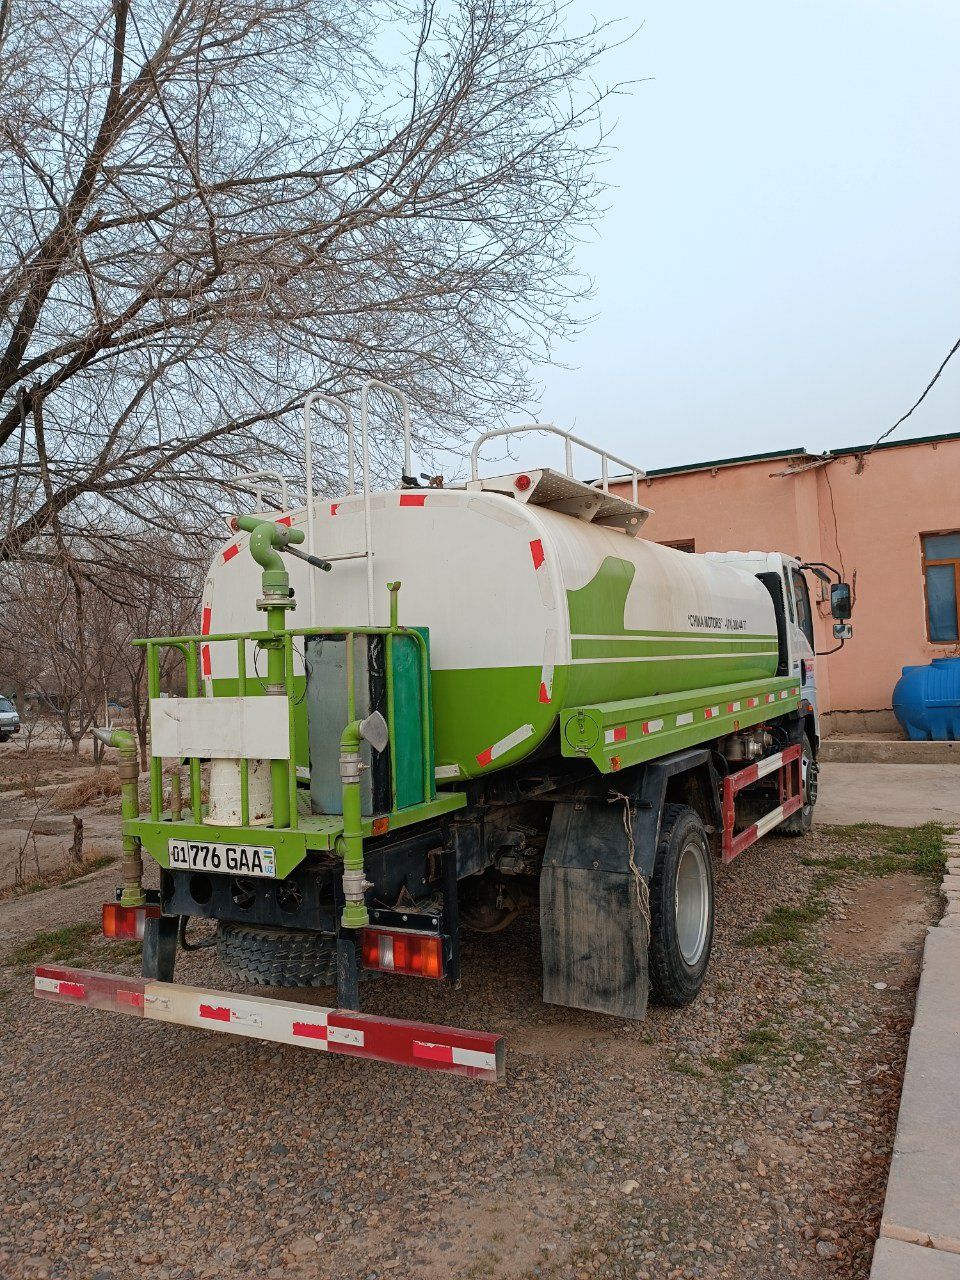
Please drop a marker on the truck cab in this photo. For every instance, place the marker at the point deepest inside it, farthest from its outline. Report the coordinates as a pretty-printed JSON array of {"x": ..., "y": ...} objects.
[{"x": 785, "y": 579}]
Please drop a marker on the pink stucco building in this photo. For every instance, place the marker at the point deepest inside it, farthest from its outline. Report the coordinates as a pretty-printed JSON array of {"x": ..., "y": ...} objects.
[{"x": 889, "y": 519}]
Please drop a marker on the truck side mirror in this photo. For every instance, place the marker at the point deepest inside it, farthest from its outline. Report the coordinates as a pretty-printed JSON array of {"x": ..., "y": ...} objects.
[
  {"x": 841, "y": 602},
  {"x": 842, "y": 631}
]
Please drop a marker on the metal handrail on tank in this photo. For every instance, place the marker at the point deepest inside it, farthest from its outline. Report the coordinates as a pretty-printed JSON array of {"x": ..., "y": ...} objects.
[
  {"x": 258, "y": 482},
  {"x": 636, "y": 473}
]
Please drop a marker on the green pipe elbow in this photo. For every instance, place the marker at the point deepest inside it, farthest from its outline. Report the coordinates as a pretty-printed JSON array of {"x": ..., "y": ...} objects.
[{"x": 265, "y": 537}]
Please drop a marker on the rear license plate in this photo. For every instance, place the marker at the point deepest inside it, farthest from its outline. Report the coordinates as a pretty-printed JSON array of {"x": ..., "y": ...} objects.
[{"x": 228, "y": 859}]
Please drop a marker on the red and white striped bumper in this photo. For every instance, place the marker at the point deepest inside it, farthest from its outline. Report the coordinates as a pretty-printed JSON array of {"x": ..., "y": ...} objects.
[{"x": 478, "y": 1054}]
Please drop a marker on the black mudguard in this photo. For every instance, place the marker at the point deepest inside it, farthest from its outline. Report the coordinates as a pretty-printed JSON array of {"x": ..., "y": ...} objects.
[{"x": 594, "y": 934}]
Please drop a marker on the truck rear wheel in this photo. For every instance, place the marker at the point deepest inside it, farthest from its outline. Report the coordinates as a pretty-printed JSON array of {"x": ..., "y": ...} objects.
[
  {"x": 269, "y": 957},
  {"x": 799, "y": 823},
  {"x": 681, "y": 908}
]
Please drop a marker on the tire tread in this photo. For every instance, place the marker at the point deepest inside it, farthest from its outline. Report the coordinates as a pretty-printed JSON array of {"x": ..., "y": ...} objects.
[
  {"x": 669, "y": 985},
  {"x": 267, "y": 957}
]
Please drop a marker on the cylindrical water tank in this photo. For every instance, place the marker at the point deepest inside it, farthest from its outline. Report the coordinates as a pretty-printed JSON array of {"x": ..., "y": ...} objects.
[
  {"x": 531, "y": 611},
  {"x": 926, "y": 700}
]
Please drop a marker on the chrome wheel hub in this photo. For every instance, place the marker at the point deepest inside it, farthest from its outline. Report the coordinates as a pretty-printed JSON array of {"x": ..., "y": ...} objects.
[{"x": 692, "y": 901}]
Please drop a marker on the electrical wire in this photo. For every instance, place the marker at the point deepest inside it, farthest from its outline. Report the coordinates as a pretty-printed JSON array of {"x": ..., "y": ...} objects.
[
  {"x": 890, "y": 430},
  {"x": 836, "y": 527}
]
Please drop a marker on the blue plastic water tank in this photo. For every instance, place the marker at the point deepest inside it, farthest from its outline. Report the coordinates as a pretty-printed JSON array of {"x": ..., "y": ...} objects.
[{"x": 926, "y": 700}]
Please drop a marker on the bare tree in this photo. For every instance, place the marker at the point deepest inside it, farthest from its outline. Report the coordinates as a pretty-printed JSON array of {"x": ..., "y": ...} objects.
[
  {"x": 64, "y": 635},
  {"x": 158, "y": 589},
  {"x": 67, "y": 637},
  {"x": 207, "y": 206}
]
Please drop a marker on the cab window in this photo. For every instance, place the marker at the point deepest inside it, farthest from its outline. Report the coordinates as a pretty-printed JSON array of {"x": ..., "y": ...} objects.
[{"x": 804, "y": 612}]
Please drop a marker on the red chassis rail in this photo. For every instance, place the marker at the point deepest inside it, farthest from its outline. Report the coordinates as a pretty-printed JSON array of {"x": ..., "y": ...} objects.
[
  {"x": 477, "y": 1054},
  {"x": 787, "y": 766}
]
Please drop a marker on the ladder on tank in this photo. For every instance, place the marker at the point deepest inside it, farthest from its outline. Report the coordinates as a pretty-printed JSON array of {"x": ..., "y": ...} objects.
[{"x": 371, "y": 384}]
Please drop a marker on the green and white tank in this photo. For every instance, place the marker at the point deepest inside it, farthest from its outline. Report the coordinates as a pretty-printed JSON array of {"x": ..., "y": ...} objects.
[{"x": 530, "y": 611}]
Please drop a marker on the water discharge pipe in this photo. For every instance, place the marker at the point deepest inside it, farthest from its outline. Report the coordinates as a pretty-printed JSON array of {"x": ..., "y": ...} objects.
[
  {"x": 132, "y": 894},
  {"x": 350, "y": 845},
  {"x": 354, "y": 881},
  {"x": 266, "y": 540}
]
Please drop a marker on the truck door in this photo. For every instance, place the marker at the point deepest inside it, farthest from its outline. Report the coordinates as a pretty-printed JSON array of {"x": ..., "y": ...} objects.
[{"x": 802, "y": 646}]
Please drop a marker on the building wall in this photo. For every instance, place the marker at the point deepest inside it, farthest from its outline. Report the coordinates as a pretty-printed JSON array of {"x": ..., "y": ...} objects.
[{"x": 867, "y": 513}]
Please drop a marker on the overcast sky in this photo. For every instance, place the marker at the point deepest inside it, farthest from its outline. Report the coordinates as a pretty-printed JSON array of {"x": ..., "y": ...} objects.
[{"x": 779, "y": 265}]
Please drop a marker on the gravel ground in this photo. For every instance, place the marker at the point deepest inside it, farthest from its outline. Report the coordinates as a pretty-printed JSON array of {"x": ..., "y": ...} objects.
[{"x": 747, "y": 1136}]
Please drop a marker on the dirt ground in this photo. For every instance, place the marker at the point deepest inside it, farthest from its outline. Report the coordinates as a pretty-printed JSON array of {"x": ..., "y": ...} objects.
[
  {"x": 747, "y": 1136},
  {"x": 36, "y": 813}
]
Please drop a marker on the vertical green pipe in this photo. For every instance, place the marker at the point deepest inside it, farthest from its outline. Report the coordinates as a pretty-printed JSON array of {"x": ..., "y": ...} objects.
[
  {"x": 176, "y": 800},
  {"x": 131, "y": 895},
  {"x": 276, "y": 681},
  {"x": 156, "y": 764},
  {"x": 244, "y": 762},
  {"x": 193, "y": 691},
  {"x": 351, "y": 841},
  {"x": 291, "y": 729},
  {"x": 351, "y": 691}
]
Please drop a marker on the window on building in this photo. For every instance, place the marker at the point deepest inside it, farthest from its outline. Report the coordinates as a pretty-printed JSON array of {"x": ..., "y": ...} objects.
[
  {"x": 941, "y": 584},
  {"x": 684, "y": 544}
]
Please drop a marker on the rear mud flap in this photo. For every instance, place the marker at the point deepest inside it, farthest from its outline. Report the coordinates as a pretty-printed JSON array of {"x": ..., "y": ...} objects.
[{"x": 594, "y": 937}]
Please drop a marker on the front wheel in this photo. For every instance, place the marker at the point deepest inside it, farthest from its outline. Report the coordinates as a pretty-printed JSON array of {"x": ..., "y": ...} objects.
[
  {"x": 681, "y": 908},
  {"x": 799, "y": 823}
]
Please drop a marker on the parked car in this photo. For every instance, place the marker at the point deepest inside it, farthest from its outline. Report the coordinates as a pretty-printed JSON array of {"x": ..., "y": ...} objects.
[{"x": 9, "y": 719}]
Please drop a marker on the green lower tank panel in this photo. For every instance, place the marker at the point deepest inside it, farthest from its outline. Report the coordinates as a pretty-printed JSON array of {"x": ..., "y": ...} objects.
[{"x": 615, "y": 735}]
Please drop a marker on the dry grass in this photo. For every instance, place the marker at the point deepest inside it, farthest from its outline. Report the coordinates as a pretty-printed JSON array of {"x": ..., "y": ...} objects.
[
  {"x": 93, "y": 859},
  {"x": 90, "y": 790}
]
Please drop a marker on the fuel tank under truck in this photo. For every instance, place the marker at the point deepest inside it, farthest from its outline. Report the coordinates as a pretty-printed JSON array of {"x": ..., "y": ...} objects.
[{"x": 530, "y": 612}]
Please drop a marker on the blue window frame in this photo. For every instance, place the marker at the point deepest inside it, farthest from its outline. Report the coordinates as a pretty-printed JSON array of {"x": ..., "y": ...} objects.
[{"x": 941, "y": 585}]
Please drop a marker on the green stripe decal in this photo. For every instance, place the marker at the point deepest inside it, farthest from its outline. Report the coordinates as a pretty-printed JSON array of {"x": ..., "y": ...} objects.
[{"x": 630, "y": 647}]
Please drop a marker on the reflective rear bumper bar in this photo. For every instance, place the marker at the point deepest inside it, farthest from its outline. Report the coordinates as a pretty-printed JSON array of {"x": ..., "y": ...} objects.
[{"x": 476, "y": 1054}]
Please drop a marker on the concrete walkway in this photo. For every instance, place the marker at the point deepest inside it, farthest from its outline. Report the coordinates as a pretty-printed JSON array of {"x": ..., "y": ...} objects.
[
  {"x": 897, "y": 795},
  {"x": 920, "y": 1227}
]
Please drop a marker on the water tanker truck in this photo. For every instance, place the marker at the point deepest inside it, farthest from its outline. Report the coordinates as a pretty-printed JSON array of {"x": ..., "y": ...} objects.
[{"x": 425, "y": 710}]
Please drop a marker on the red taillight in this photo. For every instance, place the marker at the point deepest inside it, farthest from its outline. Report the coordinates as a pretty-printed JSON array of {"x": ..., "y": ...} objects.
[
  {"x": 126, "y": 922},
  {"x": 522, "y": 483},
  {"x": 418, "y": 955}
]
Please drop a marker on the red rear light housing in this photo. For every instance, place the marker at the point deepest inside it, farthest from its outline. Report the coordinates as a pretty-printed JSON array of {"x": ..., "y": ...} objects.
[
  {"x": 522, "y": 482},
  {"x": 126, "y": 922},
  {"x": 405, "y": 951}
]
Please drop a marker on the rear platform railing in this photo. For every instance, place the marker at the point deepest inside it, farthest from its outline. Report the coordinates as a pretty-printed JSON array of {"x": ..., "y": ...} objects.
[{"x": 194, "y": 648}]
